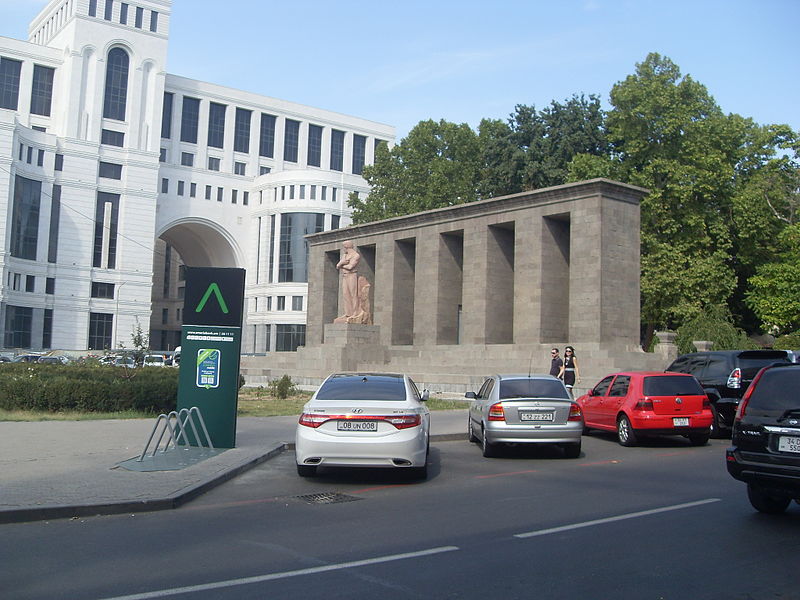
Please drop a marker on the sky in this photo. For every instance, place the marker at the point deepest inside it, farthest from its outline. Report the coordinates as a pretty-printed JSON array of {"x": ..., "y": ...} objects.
[{"x": 402, "y": 62}]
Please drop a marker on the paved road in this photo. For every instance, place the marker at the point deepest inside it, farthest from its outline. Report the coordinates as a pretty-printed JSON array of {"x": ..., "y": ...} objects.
[{"x": 663, "y": 521}]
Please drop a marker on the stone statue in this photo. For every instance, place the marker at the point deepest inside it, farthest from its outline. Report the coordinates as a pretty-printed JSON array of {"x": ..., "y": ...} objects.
[{"x": 355, "y": 289}]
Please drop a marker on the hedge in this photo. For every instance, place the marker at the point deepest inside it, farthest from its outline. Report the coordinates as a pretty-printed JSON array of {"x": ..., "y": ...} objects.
[{"x": 87, "y": 388}]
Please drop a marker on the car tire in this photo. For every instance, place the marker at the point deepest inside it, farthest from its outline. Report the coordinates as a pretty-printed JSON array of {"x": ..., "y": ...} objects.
[
  {"x": 306, "y": 470},
  {"x": 699, "y": 439},
  {"x": 470, "y": 433},
  {"x": 572, "y": 450},
  {"x": 716, "y": 428},
  {"x": 626, "y": 436},
  {"x": 765, "y": 502},
  {"x": 489, "y": 450}
]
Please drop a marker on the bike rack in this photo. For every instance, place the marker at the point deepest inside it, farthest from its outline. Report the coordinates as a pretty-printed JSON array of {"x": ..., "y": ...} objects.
[{"x": 175, "y": 422}]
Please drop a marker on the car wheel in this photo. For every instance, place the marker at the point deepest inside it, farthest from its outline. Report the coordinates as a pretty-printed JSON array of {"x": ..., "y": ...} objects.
[
  {"x": 625, "y": 434},
  {"x": 470, "y": 432},
  {"x": 572, "y": 450},
  {"x": 765, "y": 502},
  {"x": 716, "y": 429},
  {"x": 306, "y": 470},
  {"x": 699, "y": 439},
  {"x": 489, "y": 449}
]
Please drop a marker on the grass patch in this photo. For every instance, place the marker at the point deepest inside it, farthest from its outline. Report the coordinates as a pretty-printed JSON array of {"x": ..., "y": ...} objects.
[{"x": 253, "y": 402}]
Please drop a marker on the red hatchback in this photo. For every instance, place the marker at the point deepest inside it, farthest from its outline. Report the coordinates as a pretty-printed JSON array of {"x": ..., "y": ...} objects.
[{"x": 641, "y": 403}]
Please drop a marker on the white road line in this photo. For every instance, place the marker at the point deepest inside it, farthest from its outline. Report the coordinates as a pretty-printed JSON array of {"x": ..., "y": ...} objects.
[
  {"x": 286, "y": 574},
  {"x": 635, "y": 515}
]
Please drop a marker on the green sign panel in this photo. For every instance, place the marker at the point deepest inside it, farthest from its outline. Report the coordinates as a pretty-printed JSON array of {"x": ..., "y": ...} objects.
[{"x": 211, "y": 348}]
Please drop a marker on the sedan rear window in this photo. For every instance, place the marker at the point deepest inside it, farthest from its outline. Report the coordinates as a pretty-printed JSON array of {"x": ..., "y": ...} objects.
[
  {"x": 778, "y": 389},
  {"x": 362, "y": 387},
  {"x": 670, "y": 385},
  {"x": 532, "y": 388}
]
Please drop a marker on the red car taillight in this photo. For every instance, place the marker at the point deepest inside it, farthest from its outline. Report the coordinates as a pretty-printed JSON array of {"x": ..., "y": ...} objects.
[
  {"x": 496, "y": 412},
  {"x": 399, "y": 421},
  {"x": 740, "y": 412},
  {"x": 644, "y": 404},
  {"x": 706, "y": 403},
  {"x": 575, "y": 413}
]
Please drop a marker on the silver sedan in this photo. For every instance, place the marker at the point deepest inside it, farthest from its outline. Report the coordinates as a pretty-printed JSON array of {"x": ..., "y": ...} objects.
[{"x": 524, "y": 409}]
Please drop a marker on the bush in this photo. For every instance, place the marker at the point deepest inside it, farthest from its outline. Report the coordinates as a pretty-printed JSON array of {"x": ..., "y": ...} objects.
[
  {"x": 714, "y": 324},
  {"x": 790, "y": 341},
  {"x": 87, "y": 388},
  {"x": 282, "y": 388}
]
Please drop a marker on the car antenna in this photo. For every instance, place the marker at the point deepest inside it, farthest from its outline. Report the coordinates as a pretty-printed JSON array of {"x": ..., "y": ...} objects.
[{"x": 530, "y": 365}]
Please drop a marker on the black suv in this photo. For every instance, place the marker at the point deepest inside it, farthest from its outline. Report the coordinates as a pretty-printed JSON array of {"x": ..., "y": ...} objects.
[
  {"x": 725, "y": 376},
  {"x": 766, "y": 439}
]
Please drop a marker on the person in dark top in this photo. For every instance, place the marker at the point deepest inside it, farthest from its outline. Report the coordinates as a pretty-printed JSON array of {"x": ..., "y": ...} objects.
[
  {"x": 569, "y": 370},
  {"x": 555, "y": 363}
]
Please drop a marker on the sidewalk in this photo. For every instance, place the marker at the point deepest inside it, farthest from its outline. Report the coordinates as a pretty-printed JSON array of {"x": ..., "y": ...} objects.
[{"x": 63, "y": 469}]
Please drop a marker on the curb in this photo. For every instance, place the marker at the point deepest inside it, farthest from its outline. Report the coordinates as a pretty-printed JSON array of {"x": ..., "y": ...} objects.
[{"x": 66, "y": 511}]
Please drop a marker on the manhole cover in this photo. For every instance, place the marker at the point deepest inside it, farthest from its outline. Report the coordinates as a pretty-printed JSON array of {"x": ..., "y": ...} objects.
[{"x": 327, "y": 498}]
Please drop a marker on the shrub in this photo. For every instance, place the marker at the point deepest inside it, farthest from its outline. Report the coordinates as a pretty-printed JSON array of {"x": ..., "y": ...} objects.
[
  {"x": 790, "y": 341},
  {"x": 713, "y": 324},
  {"x": 282, "y": 388}
]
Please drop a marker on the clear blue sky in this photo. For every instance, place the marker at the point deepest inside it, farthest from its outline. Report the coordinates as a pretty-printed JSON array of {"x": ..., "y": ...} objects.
[{"x": 402, "y": 62}]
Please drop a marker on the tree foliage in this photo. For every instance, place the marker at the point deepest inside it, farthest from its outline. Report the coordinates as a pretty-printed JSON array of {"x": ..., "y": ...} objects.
[{"x": 713, "y": 324}]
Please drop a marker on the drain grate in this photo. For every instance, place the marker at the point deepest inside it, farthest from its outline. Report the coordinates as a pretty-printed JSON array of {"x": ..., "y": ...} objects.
[{"x": 327, "y": 498}]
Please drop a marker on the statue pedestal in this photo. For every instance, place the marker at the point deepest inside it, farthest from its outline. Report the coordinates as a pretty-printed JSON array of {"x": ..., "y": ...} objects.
[{"x": 351, "y": 345}]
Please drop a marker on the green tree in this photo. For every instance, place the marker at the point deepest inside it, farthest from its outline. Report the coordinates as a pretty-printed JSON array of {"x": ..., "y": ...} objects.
[
  {"x": 436, "y": 165},
  {"x": 774, "y": 293}
]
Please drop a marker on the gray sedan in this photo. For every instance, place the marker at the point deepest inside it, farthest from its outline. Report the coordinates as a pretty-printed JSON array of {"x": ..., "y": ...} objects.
[{"x": 512, "y": 409}]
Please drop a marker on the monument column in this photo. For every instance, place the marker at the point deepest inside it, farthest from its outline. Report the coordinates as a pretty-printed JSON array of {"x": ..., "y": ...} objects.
[
  {"x": 527, "y": 281},
  {"x": 477, "y": 294}
]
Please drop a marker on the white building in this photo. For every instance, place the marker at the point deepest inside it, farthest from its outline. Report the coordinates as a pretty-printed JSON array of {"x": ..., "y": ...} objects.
[{"x": 113, "y": 173}]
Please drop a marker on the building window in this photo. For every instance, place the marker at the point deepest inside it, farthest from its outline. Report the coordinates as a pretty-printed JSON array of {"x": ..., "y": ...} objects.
[
  {"x": 335, "y": 221},
  {"x": 116, "y": 92},
  {"x": 25, "y": 218},
  {"x": 293, "y": 258},
  {"x": 359, "y": 153},
  {"x": 164, "y": 316},
  {"x": 153, "y": 21},
  {"x": 109, "y": 170},
  {"x": 190, "y": 118},
  {"x": 291, "y": 140},
  {"x": 302, "y": 192},
  {"x": 220, "y": 192},
  {"x": 297, "y": 303},
  {"x": 164, "y": 185},
  {"x": 55, "y": 217},
  {"x": 100, "y": 328},
  {"x": 324, "y": 192},
  {"x": 42, "y": 90},
  {"x": 264, "y": 170},
  {"x": 246, "y": 198},
  {"x": 30, "y": 155},
  {"x": 269, "y": 302},
  {"x": 213, "y": 164},
  {"x": 266, "y": 146},
  {"x": 289, "y": 337},
  {"x": 216, "y": 125},
  {"x": 92, "y": 8},
  {"x": 109, "y": 10},
  {"x": 313, "y": 192},
  {"x": 19, "y": 324},
  {"x": 59, "y": 166},
  {"x": 192, "y": 190},
  {"x": 208, "y": 192},
  {"x": 40, "y": 158},
  {"x": 166, "y": 115},
  {"x": 234, "y": 196},
  {"x": 102, "y": 290},
  {"x": 47, "y": 328},
  {"x": 239, "y": 168},
  {"x": 30, "y": 283},
  {"x": 123, "y": 14},
  {"x": 314, "y": 145},
  {"x": 180, "y": 188},
  {"x": 162, "y": 155},
  {"x": 9, "y": 82},
  {"x": 105, "y": 230},
  {"x": 241, "y": 131},
  {"x": 139, "y": 17},
  {"x": 112, "y": 138},
  {"x": 187, "y": 159},
  {"x": 337, "y": 150},
  {"x": 50, "y": 285},
  {"x": 281, "y": 303}
]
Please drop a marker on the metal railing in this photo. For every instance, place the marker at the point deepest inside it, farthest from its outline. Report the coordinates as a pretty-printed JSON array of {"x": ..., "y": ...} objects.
[{"x": 176, "y": 422}]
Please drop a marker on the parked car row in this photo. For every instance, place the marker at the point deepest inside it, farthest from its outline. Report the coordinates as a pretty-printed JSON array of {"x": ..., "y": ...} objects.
[{"x": 380, "y": 420}]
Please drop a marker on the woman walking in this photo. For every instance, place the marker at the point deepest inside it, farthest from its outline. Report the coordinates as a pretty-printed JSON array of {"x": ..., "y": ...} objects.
[{"x": 569, "y": 370}]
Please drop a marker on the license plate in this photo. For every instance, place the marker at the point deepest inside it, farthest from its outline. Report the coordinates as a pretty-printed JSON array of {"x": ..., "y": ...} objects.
[
  {"x": 789, "y": 444},
  {"x": 535, "y": 416},
  {"x": 357, "y": 426},
  {"x": 680, "y": 422}
]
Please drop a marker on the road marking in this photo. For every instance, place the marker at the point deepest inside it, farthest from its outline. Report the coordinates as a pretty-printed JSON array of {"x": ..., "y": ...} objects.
[
  {"x": 284, "y": 575},
  {"x": 634, "y": 515},
  {"x": 505, "y": 474}
]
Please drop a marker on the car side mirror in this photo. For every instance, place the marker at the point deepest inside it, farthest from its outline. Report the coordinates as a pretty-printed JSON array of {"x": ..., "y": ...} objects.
[
  {"x": 425, "y": 395},
  {"x": 470, "y": 395},
  {"x": 590, "y": 393}
]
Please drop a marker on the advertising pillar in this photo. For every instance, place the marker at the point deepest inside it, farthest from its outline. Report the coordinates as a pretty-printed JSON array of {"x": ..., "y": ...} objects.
[{"x": 211, "y": 341}]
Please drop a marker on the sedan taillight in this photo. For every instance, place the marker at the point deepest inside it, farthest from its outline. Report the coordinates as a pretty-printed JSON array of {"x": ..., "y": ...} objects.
[
  {"x": 496, "y": 412},
  {"x": 407, "y": 421},
  {"x": 575, "y": 413},
  {"x": 644, "y": 404},
  {"x": 313, "y": 420}
]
